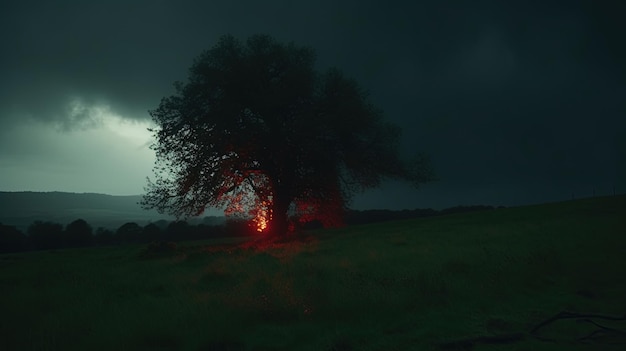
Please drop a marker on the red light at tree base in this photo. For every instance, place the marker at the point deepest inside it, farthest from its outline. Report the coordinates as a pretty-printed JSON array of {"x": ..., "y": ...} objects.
[{"x": 262, "y": 217}]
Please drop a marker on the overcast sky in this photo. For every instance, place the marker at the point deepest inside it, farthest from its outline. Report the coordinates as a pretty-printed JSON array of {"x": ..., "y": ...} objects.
[{"x": 517, "y": 102}]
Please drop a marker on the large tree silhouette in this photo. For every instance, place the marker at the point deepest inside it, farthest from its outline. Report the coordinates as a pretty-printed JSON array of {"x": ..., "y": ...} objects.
[{"x": 257, "y": 131}]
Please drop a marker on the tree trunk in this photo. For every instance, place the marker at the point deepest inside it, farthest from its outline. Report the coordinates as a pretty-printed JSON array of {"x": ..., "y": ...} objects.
[
  {"x": 280, "y": 206},
  {"x": 279, "y": 224}
]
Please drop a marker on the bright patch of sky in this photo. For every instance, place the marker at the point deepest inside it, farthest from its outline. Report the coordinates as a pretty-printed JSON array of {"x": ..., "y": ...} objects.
[{"x": 104, "y": 153}]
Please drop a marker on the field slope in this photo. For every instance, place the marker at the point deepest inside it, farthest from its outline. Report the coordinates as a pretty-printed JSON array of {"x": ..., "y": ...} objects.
[{"x": 481, "y": 281}]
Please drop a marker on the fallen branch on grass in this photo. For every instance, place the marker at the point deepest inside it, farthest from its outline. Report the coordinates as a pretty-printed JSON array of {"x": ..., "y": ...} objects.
[
  {"x": 469, "y": 343},
  {"x": 582, "y": 317}
]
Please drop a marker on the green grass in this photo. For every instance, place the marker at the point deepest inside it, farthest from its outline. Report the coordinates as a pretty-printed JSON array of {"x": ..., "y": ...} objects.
[{"x": 406, "y": 285}]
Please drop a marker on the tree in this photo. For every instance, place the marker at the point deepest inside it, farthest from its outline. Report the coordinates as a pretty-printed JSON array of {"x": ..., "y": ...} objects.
[
  {"x": 104, "y": 236},
  {"x": 78, "y": 233},
  {"x": 257, "y": 131},
  {"x": 129, "y": 232},
  {"x": 151, "y": 231}
]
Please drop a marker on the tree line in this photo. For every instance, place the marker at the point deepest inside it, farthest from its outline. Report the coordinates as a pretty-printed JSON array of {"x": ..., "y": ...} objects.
[
  {"x": 47, "y": 235},
  {"x": 373, "y": 216}
]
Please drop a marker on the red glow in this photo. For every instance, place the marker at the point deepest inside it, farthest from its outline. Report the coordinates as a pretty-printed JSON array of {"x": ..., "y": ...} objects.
[
  {"x": 247, "y": 195},
  {"x": 262, "y": 217}
]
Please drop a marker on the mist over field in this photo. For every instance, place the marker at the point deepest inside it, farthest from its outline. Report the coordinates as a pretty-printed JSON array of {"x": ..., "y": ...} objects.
[{"x": 22, "y": 208}]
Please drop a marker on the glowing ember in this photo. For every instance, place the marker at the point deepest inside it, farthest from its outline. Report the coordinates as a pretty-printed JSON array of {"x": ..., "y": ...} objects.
[
  {"x": 263, "y": 217},
  {"x": 261, "y": 224}
]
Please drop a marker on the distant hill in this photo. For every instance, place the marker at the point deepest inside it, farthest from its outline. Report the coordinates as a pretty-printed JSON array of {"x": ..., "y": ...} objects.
[{"x": 99, "y": 210}]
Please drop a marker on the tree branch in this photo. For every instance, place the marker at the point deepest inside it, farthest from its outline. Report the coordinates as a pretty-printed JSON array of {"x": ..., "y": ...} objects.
[{"x": 470, "y": 343}]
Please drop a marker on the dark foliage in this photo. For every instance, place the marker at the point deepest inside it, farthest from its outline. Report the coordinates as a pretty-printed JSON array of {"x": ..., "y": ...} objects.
[
  {"x": 205, "y": 231},
  {"x": 257, "y": 130},
  {"x": 152, "y": 232},
  {"x": 238, "y": 227},
  {"x": 104, "y": 237},
  {"x": 78, "y": 233},
  {"x": 373, "y": 216},
  {"x": 130, "y": 232},
  {"x": 178, "y": 229},
  {"x": 11, "y": 239},
  {"x": 45, "y": 235}
]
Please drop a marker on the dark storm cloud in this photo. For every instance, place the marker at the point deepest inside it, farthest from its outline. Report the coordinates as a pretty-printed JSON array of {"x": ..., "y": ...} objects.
[
  {"x": 128, "y": 53},
  {"x": 524, "y": 93},
  {"x": 516, "y": 90},
  {"x": 99, "y": 51}
]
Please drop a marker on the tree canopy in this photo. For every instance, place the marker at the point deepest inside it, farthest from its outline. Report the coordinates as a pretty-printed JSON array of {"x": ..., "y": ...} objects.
[{"x": 258, "y": 131}]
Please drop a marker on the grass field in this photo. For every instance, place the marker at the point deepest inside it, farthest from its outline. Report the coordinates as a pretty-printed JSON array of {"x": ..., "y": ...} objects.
[{"x": 472, "y": 281}]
